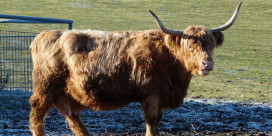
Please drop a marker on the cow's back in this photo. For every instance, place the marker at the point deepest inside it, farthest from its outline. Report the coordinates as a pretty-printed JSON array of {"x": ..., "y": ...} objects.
[{"x": 88, "y": 52}]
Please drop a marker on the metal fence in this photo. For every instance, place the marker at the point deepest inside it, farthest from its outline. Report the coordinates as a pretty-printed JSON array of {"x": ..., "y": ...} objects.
[
  {"x": 15, "y": 53},
  {"x": 15, "y": 58}
]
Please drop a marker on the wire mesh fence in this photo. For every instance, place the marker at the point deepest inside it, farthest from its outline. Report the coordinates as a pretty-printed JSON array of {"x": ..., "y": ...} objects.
[
  {"x": 15, "y": 54},
  {"x": 15, "y": 60}
]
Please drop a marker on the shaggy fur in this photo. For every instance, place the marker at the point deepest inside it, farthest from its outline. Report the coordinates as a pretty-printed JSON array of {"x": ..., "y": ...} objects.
[{"x": 74, "y": 70}]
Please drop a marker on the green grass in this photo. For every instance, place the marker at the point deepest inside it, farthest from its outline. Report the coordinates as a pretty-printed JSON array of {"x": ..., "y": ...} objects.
[{"x": 243, "y": 65}]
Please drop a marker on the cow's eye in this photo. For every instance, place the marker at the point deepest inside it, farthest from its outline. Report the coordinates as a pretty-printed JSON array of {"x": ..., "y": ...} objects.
[
  {"x": 191, "y": 48},
  {"x": 195, "y": 40}
]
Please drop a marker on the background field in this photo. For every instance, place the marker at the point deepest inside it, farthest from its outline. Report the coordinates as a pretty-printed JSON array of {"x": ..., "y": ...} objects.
[{"x": 243, "y": 65}]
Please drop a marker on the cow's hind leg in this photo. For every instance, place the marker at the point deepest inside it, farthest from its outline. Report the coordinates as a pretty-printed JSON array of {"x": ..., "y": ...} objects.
[
  {"x": 40, "y": 106},
  {"x": 153, "y": 114},
  {"x": 71, "y": 108},
  {"x": 76, "y": 125}
]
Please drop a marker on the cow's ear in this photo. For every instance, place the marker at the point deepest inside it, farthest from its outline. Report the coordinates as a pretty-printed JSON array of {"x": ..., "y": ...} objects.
[
  {"x": 219, "y": 38},
  {"x": 172, "y": 40}
]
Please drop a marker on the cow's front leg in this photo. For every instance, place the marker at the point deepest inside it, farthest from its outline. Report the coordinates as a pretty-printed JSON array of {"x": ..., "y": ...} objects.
[{"x": 153, "y": 114}]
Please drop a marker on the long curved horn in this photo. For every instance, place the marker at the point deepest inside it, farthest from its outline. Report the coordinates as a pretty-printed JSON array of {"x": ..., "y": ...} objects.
[
  {"x": 165, "y": 30},
  {"x": 230, "y": 22}
]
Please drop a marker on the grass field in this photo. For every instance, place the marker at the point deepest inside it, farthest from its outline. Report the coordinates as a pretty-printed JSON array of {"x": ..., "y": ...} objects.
[{"x": 243, "y": 65}]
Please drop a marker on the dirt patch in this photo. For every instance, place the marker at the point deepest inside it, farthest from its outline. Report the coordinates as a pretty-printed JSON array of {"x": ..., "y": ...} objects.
[{"x": 195, "y": 117}]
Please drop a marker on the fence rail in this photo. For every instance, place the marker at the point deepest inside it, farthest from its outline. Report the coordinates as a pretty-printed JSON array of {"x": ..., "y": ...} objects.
[{"x": 29, "y": 19}]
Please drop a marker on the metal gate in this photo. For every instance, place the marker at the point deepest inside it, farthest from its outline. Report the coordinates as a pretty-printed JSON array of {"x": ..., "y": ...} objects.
[{"x": 15, "y": 54}]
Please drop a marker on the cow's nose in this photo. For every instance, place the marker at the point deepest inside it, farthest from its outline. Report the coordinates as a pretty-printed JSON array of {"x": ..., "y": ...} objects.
[
  {"x": 207, "y": 64},
  {"x": 204, "y": 63}
]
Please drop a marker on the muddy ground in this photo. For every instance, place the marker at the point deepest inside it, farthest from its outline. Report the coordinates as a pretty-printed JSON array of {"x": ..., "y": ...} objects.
[{"x": 195, "y": 117}]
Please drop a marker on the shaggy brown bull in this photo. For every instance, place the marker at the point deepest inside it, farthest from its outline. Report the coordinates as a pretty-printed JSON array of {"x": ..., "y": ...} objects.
[{"x": 75, "y": 70}]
